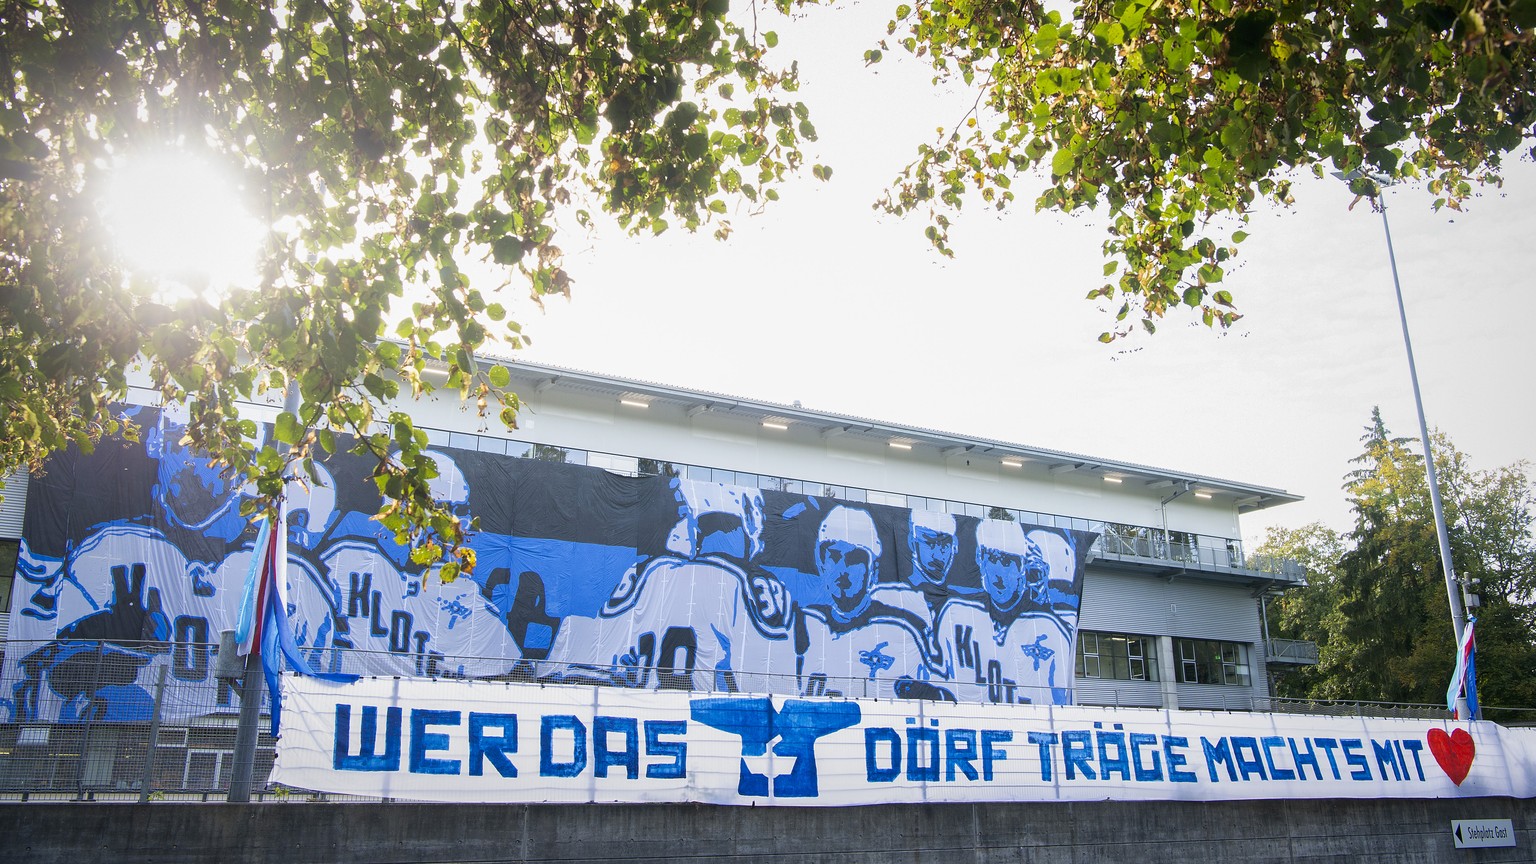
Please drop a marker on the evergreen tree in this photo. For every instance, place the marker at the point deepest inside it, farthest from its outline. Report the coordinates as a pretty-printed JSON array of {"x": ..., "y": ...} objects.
[{"x": 1376, "y": 600}]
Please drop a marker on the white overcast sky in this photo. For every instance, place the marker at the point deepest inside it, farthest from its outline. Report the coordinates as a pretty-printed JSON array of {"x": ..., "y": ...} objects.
[{"x": 820, "y": 299}]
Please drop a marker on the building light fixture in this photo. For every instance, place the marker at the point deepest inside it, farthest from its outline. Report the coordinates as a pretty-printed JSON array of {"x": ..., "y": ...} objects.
[
  {"x": 775, "y": 424},
  {"x": 1205, "y": 495},
  {"x": 1013, "y": 463},
  {"x": 901, "y": 445},
  {"x": 634, "y": 403},
  {"x": 1111, "y": 479}
]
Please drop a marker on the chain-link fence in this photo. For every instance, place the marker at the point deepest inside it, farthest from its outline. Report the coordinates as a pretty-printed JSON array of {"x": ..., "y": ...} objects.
[
  {"x": 87, "y": 720},
  {"x": 97, "y": 720}
]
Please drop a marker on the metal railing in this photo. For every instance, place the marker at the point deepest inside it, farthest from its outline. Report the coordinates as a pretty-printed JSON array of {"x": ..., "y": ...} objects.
[
  {"x": 1350, "y": 708},
  {"x": 147, "y": 721},
  {"x": 1294, "y": 651},
  {"x": 1206, "y": 553},
  {"x": 105, "y": 721}
]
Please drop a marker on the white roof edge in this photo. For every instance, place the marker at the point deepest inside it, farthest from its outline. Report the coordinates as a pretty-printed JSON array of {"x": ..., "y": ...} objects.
[{"x": 1267, "y": 496}]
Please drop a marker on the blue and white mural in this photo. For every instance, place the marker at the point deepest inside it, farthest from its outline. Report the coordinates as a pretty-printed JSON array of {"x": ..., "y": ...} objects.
[{"x": 133, "y": 559}]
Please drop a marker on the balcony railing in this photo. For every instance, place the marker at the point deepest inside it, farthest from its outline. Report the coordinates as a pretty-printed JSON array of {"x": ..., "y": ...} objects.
[
  {"x": 1201, "y": 552},
  {"x": 1290, "y": 651}
]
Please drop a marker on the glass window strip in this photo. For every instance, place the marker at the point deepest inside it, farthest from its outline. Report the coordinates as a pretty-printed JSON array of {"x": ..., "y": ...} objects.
[{"x": 1187, "y": 543}]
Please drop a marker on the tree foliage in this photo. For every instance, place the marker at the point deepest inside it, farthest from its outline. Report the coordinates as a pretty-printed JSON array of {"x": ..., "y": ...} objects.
[
  {"x": 1173, "y": 113},
  {"x": 392, "y": 146},
  {"x": 1376, "y": 599}
]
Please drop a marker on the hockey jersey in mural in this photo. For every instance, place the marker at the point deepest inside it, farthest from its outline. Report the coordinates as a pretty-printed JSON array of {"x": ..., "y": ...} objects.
[{"x": 133, "y": 558}]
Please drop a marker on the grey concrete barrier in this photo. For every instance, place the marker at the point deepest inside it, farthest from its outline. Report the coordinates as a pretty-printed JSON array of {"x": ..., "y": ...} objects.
[{"x": 1349, "y": 832}]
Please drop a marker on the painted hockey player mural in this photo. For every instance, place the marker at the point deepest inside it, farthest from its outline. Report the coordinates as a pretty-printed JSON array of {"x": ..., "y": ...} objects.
[{"x": 133, "y": 559}]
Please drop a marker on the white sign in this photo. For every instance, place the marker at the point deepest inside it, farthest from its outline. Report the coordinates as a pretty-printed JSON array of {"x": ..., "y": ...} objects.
[
  {"x": 1479, "y": 833},
  {"x": 477, "y": 741}
]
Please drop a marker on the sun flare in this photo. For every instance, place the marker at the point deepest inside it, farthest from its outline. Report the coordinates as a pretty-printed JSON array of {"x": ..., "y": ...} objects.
[{"x": 175, "y": 215}]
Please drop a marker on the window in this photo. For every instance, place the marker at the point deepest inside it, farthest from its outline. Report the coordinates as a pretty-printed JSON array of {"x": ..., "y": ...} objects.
[
  {"x": 547, "y": 453},
  {"x": 629, "y": 466},
  {"x": 780, "y": 484},
  {"x": 1114, "y": 538},
  {"x": 1206, "y": 661},
  {"x": 656, "y": 468},
  {"x": 1120, "y": 656}
]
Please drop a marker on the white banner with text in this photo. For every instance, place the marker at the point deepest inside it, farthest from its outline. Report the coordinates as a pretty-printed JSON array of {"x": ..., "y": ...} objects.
[{"x": 475, "y": 741}]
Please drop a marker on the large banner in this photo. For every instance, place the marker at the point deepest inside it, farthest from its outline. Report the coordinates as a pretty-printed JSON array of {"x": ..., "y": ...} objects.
[
  {"x": 133, "y": 560},
  {"x": 493, "y": 742}
]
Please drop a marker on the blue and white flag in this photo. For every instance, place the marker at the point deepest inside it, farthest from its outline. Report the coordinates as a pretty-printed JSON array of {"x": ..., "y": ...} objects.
[{"x": 1464, "y": 676}]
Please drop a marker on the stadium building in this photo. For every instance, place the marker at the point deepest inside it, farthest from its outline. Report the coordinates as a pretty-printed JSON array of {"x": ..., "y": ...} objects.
[
  {"x": 1168, "y": 611},
  {"x": 778, "y": 606}
]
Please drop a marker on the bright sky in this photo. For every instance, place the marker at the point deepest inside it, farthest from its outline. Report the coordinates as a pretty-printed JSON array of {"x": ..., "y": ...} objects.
[{"x": 821, "y": 299}]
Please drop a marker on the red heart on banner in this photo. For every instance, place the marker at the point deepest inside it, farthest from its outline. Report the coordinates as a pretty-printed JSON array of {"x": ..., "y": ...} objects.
[{"x": 1454, "y": 752}]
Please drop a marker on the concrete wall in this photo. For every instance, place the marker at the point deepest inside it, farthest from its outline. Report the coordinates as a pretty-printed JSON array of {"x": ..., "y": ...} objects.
[{"x": 1356, "y": 832}]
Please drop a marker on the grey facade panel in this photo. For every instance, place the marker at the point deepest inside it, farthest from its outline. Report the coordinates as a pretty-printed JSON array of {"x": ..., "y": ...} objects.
[
  {"x": 11, "y": 510},
  {"x": 14, "y": 505},
  {"x": 1183, "y": 608},
  {"x": 1120, "y": 694},
  {"x": 1129, "y": 603}
]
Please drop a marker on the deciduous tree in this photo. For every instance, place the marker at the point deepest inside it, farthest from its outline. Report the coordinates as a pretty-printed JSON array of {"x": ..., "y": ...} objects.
[
  {"x": 391, "y": 146},
  {"x": 1173, "y": 114}
]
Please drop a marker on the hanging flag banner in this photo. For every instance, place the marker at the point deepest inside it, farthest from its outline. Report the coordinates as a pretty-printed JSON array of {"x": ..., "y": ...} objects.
[
  {"x": 463, "y": 741},
  {"x": 1464, "y": 676}
]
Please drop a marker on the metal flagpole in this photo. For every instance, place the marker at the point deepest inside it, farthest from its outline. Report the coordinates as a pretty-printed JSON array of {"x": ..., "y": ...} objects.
[
  {"x": 240, "y": 779},
  {"x": 1452, "y": 587}
]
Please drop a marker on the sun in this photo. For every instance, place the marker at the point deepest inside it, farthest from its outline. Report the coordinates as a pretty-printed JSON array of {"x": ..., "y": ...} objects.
[{"x": 174, "y": 215}]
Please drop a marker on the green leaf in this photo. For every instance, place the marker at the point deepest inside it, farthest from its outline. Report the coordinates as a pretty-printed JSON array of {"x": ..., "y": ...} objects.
[
  {"x": 507, "y": 250},
  {"x": 499, "y": 376},
  {"x": 1062, "y": 163},
  {"x": 286, "y": 429}
]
